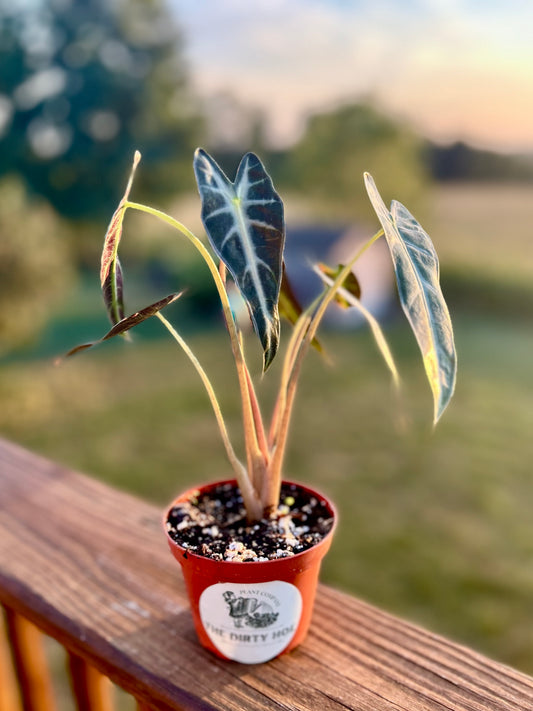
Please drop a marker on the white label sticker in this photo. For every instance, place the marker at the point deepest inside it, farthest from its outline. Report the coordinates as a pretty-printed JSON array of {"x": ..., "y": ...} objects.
[{"x": 251, "y": 622}]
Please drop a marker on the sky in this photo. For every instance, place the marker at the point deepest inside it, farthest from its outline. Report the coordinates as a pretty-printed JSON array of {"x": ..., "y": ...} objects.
[{"x": 456, "y": 69}]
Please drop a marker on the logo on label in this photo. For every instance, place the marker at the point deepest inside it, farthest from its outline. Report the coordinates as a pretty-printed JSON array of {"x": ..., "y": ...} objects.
[
  {"x": 252, "y": 622},
  {"x": 249, "y": 611}
]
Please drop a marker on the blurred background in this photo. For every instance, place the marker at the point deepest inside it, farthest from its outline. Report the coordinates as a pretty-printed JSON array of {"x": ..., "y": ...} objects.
[{"x": 435, "y": 99}]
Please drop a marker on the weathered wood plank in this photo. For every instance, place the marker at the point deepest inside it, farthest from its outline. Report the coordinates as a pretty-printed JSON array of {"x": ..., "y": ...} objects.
[
  {"x": 91, "y": 567},
  {"x": 142, "y": 707}
]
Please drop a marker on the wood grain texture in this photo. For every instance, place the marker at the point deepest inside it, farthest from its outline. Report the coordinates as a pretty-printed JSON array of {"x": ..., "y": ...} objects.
[
  {"x": 142, "y": 707},
  {"x": 90, "y": 566}
]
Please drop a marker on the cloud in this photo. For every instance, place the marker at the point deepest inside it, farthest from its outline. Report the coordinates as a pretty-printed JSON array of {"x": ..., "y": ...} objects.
[{"x": 436, "y": 62}]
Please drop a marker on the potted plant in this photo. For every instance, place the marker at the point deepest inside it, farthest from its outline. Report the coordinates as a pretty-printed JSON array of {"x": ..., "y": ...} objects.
[{"x": 250, "y": 546}]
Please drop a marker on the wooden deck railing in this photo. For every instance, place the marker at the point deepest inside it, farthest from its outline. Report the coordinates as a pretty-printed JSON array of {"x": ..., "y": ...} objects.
[{"x": 89, "y": 566}]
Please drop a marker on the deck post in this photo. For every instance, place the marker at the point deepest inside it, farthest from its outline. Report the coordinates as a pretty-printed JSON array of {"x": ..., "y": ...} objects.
[
  {"x": 92, "y": 690},
  {"x": 30, "y": 663}
]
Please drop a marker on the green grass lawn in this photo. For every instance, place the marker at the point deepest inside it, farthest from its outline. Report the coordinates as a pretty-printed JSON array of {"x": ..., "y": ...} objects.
[
  {"x": 483, "y": 237},
  {"x": 435, "y": 526},
  {"x": 483, "y": 229}
]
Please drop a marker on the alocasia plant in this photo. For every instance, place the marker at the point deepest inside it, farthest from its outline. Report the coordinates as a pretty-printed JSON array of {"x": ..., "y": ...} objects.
[{"x": 244, "y": 222}]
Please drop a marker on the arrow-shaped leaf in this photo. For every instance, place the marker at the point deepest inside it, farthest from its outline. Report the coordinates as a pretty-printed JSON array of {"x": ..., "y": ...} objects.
[
  {"x": 125, "y": 324},
  {"x": 417, "y": 275},
  {"x": 245, "y": 226},
  {"x": 111, "y": 278}
]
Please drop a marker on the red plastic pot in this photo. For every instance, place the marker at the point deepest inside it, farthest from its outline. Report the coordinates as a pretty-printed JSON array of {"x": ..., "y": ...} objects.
[{"x": 251, "y": 612}]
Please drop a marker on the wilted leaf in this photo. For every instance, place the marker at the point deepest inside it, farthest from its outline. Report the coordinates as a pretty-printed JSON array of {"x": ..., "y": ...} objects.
[
  {"x": 111, "y": 279},
  {"x": 244, "y": 223},
  {"x": 127, "y": 323},
  {"x": 417, "y": 275},
  {"x": 350, "y": 284}
]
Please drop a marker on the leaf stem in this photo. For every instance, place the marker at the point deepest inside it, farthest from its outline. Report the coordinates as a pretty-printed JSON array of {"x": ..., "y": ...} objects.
[
  {"x": 254, "y": 456},
  {"x": 251, "y": 500},
  {"x": 377, "y": 332},
  {"x": 289, "y": 383}
]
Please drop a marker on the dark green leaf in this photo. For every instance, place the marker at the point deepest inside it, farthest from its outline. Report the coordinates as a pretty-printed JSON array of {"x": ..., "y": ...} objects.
[
  {"x": 244, "y": 223},
  {"x": 417, "y": 275}
]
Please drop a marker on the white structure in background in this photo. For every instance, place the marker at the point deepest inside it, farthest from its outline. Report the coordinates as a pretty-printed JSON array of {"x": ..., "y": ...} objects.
[
  {"x": 374, "y": 272},
  {"x": 307, "y": 245}
]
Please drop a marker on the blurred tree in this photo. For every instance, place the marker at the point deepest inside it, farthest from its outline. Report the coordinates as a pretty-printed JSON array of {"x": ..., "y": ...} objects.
[
  {"x": 329, "y": 161},
  {"x": 459, "y": 161},
  {"x": 35, "y": 264},
  {"x": 82, "y": 84}
]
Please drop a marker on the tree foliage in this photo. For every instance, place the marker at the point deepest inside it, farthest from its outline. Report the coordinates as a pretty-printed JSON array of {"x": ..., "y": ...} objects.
[
  {"x": 459, "y": 161},
  {"x": 35, "y": 264},
  {"x": 339, "y": 146},
  {"x": 82, "y": 84}
]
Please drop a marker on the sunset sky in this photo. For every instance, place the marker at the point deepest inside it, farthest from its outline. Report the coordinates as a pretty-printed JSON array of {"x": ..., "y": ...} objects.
[{"x": 457, "y": 69}]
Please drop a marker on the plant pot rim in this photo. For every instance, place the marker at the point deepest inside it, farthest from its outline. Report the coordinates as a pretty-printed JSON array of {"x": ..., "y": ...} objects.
[{"x": 253, "y": 563}]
